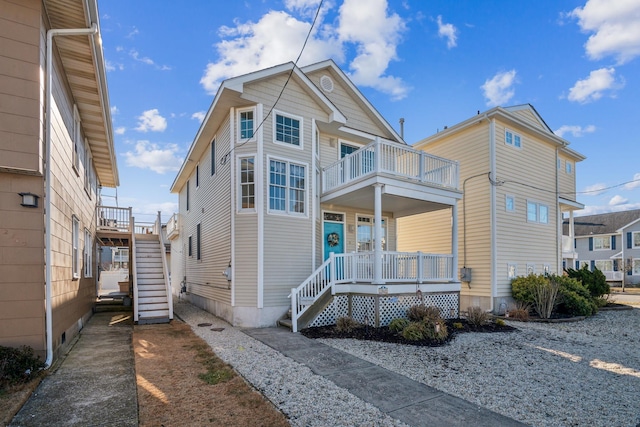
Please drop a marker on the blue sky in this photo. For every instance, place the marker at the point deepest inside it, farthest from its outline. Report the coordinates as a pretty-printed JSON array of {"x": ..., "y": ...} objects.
[{"x": 433, "y": 63}]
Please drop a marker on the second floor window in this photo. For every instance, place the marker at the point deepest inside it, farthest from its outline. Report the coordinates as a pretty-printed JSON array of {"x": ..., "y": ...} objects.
[
  {"x": 513, "y": 139},
  {"x": 537, "y": 212},
  {"x": 602, "y": 243},
  {"x": 287, "y": 130},
  {"x": 287, "y": 187},
  {"x": 247, "y": 184},
  {"x": 245, "y": 124}
]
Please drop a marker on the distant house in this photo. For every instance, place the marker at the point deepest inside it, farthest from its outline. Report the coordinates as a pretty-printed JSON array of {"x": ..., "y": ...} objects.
[
  {"x": 56, "y": 152},
  {"x": 289, "y": 199},
  {"x": 610, "y": 242},
  {"x": 518, "y": 179}
]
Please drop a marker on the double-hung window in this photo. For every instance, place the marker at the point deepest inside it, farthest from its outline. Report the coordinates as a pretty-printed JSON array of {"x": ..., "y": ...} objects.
[
  {"x": 88, "y": 254},
  {"x": 636, "y": 267},
  {"x": 288, "y": 129},
  {"x": 635, "y": 241},
  {"x": 247, "y": 184},
  {"x": 512, "y": 138},
  {"x": 602, "y": 243},
  {"x": 537, "y": 212},
  {"x": 246, "y": 124},
  {"x": 604, "y": 264},
  {"x": 75, "y": 241},
  {"x": 287, "y": 187}
]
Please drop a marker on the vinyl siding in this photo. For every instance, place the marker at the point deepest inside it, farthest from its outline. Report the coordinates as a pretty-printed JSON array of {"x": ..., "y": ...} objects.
[
  {"x": 210, "y": 207},
  {"x": 529, "y": 117},
  {"x": 566, "y": 181},
  {"x": 426, "y": 232},
  {"x": 470, "y": 147},
  {"x": 520, "y": 241}
]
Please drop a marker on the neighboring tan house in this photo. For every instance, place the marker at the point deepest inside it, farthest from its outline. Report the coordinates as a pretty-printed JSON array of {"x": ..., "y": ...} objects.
[
  {"x": 56, "y": 152},
  {"x": 290, "y": 179},
  {"x": 610, "y": 242},
  {"x": 518, "y": 179}
]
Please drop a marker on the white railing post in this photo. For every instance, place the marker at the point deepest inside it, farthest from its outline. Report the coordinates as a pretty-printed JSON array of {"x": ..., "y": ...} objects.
[
  {"x": 165, "y": 266},
  {"x": 420, "y": 268},
  {"x": 294, "y": 309},
  {"x": 377, "y": 235},
  {"x": 332, "y": 271},
  {"x": 133, "y": 271}
]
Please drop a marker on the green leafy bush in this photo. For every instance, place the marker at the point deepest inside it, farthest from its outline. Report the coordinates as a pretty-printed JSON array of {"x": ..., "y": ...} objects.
[
  {"x": 523, "y": 287},
  {"x": 18, "y": 365},
  {"x": 398, "y": 325},
  {"x": 595, "y": 281},
  {"x": 574, "y": 298},
  {"x": 435, "y": 329},
  {"x": 414, "y": 331},
  {"x": 500, "y": 322}
]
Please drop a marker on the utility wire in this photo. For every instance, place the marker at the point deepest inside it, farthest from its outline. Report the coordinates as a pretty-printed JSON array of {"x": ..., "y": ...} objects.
[{"x": 225, "y": 158}]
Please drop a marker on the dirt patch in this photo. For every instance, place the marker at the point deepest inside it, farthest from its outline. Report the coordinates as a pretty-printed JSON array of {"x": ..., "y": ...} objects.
[
  {"x": 384, "y": 334},
  {"x": 182, "y": 382},
  {"x": 12, "y": 399}
]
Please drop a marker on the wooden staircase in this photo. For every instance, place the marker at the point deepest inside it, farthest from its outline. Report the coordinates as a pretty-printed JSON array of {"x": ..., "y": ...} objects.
[{"x": 153, "y": 303}]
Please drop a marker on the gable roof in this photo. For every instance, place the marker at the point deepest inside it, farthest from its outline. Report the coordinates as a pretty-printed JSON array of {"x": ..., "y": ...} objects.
[
  {"x": 84, "y": 67},
  {"x": 607, "y": 223}
]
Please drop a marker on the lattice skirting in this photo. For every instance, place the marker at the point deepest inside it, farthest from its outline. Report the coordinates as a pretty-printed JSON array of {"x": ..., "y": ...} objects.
[{"x": 380, "y": 310}]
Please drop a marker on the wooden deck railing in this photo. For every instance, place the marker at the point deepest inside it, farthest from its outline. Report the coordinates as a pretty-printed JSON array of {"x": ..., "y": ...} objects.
[{"x": 111, "y": 218}]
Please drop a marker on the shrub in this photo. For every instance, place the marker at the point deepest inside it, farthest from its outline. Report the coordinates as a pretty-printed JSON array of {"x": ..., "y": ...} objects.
[
  {"x": 435, "y": 329},
  {"x": 18, "y": 365},
  {"x": 574, "y": 298},
  {"x": 398, "y": 325},
  {"x": 416, "y": 313},
  {"x": 414, "y": 331},
  {"x": 346, "y": 324},
  {"x": 477, "y": 316},
  {"x": 500, "y": 322},
  {"x": 523, "y": 287},
  {"x": 595, "y": 281},
  {"x": 458, "y": 325},
  {"x": 538, "y": 290},
  {"x": 519, "y": 311}
]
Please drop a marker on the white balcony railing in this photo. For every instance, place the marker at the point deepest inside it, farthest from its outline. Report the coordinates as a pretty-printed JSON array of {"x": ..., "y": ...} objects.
[
  {"x": 387, "y": 157},
  {"x": 111, "y": 218},
  {"x": 172, "y": 226}
]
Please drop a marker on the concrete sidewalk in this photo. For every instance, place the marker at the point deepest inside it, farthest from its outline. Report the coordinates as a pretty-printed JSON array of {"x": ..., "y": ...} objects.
[
  {"x": 409, "y": 401},
  {"x": 95, "y": 385}
]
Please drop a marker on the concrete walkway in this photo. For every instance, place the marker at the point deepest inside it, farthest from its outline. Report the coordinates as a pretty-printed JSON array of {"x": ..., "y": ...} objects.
[
  {"x": 409, "y": 401},
  {"x": 95, "y": 385}
]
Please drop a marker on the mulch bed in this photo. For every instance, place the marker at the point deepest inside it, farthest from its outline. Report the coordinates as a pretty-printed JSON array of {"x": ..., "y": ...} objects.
[{"x": 383, "y": 334}]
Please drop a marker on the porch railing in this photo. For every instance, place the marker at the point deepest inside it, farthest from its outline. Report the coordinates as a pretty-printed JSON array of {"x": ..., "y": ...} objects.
[
  {"x": 389, "y": 157},
  {"x": 172, "y": 226},
  {"x": 165, "y": 265},
  {"x": 111, "y": 218},
  {"x": 397, "y": 267}
]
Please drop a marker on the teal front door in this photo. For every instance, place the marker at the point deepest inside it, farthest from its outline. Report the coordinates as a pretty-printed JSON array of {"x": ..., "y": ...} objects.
[{"x": 334, "y": 243}]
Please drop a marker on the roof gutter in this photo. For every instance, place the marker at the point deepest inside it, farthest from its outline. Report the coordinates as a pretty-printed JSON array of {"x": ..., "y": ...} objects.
[{"x": 93, "y": 30}]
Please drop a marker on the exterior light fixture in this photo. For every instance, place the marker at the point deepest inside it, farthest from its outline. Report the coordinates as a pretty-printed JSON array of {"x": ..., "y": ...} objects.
[{"x": 29, "y": 200}]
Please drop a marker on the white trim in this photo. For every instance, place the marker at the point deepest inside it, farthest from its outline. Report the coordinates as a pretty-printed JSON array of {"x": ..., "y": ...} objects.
[
  {"x": 286, "y": 212},
  {"x": 514, "y": 134},
  {"x": 239, "y": 139},
  {"x": 538, "y": 206},
  {"x": 568, "y": 167},
  {"x": 493, "y": 215},
  {"x": 603, "y": 237},
  {"x": 315, "y": 198},
  {"x": 232, "y": 208},
  {"x": 260, "y": 207},
  {"x": 256, "y": 178},
  {"x": 291, "y": 116},
  {"x": 346, "y": 142},
  {"x": 633, "y": 240}
]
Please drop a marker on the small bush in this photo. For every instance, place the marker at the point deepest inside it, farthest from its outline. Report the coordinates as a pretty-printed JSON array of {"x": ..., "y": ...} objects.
[
  {"x": 398, "y": 325},
  {"x": 477, "y": 316},
  {"x": 574, "y": 298},
  {"x": 458, "y": 325},
  {"x": 500, "y": 322},
  {"x": 435, "y": 329},
  {"x": 414, "y": 331},
  {"x": 519, "y": 311},
  {"x": 595, "y": 281},
  {"x": 346, "y": 324},
  {"x": 18, "y": 365},
  {"x": 417, "y": 313},
  {"x": 538, "y": 290}
]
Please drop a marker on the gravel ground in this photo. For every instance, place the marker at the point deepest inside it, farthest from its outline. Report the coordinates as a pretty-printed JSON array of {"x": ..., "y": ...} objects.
[{"x": 565, "y": 374}]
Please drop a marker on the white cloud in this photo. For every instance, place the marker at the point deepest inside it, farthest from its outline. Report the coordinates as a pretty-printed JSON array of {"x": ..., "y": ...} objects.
[
  {"x": 499, "y": 89},
  {"x": 592, "y": 88},
  {"x": 618, "y": 200},
  {"x": 371, "y": 32},
  {"x": 615, "y": 28},
  {"x": 595, "y": 189},
  {"x": 448, "y": 31},
  {"x": 635, "y": 182},
  {"x": 199, "y": 115},
  {"x": 151, "y": 120},
  {"x": 120, "y": 130},
  {"x": 108, "y": 65},
  {"x": 574, "y": 130},
  {"x": 146, "y": 60},
  {"x": 114, "y": 110},
  {"x": 153, "y": 157}
]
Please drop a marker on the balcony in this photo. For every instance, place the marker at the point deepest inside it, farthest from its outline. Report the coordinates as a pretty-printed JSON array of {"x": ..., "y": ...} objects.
[{"x": 172, "y": 227}]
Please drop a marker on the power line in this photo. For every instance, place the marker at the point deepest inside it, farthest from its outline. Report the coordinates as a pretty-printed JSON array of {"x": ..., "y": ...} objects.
[{"x": 225, "y": 158}]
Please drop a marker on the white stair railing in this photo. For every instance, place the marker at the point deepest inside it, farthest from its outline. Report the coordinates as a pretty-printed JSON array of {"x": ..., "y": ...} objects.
[
  {"x": 165, "y": 268},
  {"x": 133, "y": 273},
  {"x": 311, "y": 289}
]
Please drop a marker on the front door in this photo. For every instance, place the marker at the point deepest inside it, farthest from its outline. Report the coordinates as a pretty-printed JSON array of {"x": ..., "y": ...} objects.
[{"x": 333, "y": 239}]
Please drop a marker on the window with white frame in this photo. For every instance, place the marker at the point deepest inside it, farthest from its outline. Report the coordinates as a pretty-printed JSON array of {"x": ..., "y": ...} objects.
[
  {"x": 512, "y": 138},
  {"x": 287, "y": 187},
  {"x": 635, "y": 241},
  {"x": 198, "y": 243},
  {"x": 88, "y": 254},
  {"x": 569, "y": 167},
  {"x": 288, "y": 129},
  {"x": 247, "y": 184},
  {"x": 77, "y": 140},
  {"x": 602, "y": 243},
  {"x": 546, "y": 269},
  {"x": 537, "y": 212},
  {"x": 531, "y": 269},
  {"x": 636, "y": 267},
  {"x": 510, "y": 203},
  {"x": 75, "y": 242},
  {"x": 604, "y": 264},
  {"x": 346, "y": 149},
  {"x": 245, "y": 124},
  {"x": 512, "y": 271},
  {"x": 559, "y": 163},
  {"x": 365, "y": 233},
  {"x": 213, "y": 157}
]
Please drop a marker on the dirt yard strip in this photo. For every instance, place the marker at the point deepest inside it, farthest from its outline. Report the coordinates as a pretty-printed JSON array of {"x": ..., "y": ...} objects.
[{"x": 182, "y": 382}]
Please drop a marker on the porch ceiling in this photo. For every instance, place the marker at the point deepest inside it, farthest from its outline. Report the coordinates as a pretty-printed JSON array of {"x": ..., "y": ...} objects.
[{"x": 401, "y": 197}]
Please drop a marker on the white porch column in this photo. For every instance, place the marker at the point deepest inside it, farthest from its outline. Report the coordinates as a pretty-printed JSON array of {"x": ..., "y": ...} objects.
[
  {"x": 454, "y": 239},
  {"x": 377, "y": 235}
]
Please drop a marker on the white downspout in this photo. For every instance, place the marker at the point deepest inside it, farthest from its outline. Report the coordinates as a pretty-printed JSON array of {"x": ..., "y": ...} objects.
[
  {"x": 494, "y": 238},
  {"x": 47, "y": 240}
]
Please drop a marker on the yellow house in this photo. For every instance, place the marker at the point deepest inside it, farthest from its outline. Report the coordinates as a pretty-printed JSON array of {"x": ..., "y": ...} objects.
[
  {"x": 518, "y": 178},
  {"x": 56, "y": 152}
]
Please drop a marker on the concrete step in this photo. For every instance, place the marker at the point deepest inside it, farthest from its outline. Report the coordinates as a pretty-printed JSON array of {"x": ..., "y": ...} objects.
[
  {"x": 287, "y": 323},
  {"x": 152, "y": 313}
]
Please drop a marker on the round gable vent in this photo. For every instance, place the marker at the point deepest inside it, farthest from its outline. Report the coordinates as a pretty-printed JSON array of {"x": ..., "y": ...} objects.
[{"x": 326, "y": 83}]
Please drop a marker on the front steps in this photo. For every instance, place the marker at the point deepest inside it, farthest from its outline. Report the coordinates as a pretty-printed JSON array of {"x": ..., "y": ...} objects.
[{"x": 153, "y": 304}]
